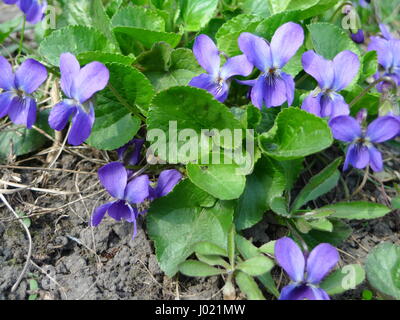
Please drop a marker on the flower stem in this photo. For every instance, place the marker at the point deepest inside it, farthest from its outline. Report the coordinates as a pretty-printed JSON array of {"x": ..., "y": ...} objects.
[
  {"x": 373, "y": 84},
  {"x": 21, "y": 41}
]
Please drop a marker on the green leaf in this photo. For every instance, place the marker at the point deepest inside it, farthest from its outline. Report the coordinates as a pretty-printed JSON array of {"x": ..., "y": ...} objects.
[
  {"x": 357, "y": 210},
  {"x": 130, "y": 87},
  {"x": 193, "y": 268},
  {"x": 209, "y": 248},
  {"x": 321, "y": 224},
  {"x": 370, "y": 101},
  {"x": 396, "y": 203},
  {"x": 257, "y": 7},
  {"x": 8, "y": 27},
  {"x": 18, "y": 140},
  {"x": 383, "y": 269},
  {"x": 341, "y": 231},
  {"x": 143, "y": 25},
  {"x": 318, "y": 185},
  {"x": 222, "y": 181},
  {"x": 346, "y": 278},
  {"x": 264, "y": 184},
  {"x": 248, "y": 250},
  {"x": 296, "y": 134},
  {"x": 176, "y": 222},
  {"x": 369, "y": 65},
  {"x": 192, "y": 108},
  {"x": 227, "y": 36},
  {"x": 232, "y": 246},
  {"x": 73, "y": 39},
  {"x": 268, "y": 248},
  {"x": 166, "y": 67},
  {"x": 213, "y": 260},
  {"x": 196, "y": 14},
  {"x": 114, "y": 125},
  {"x": 256, "y": 266},
  {"x": 267, "y": 27},
  {"x": 280, "y": 206},
  {"x": 104, "y": 57},
  {"x": 248, "y": 286},
  {"x": 329, "y": 40}
]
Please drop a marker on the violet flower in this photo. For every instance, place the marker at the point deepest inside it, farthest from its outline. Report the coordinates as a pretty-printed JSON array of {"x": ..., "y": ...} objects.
[
  {"x": 305, "y": 270},
  {"x": 114, "y": 177},
  {"x": 273, "y": 87},
  {"x": 361, "y": 151},
  {"x": 217, "y": 79},
  {"x": 16, "y": 100},
  {"x": 130, "y": 153},
  {"x": 34, "y": 10},
  {"x": 332, "y": 76},
  {"x": 79, "y": 85},
  {"x": 388, "y": 50},
  {"x": 130, "y": 192}
]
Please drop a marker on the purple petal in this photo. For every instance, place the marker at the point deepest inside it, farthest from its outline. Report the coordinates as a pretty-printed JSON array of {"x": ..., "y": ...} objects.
[
  {"x": 394, "y": 46},
  {"x": 346, "y": 65},
  {"x": 287, "y": 39},
  {"x": 36, "y": 12},
  {"x": 23, "y": 111},
  {"x": 114, "y": 177},
  {"x": 59, "y": 115},
  {"x": 91, "y": 78},
  {"x": 358, "y": 156},
  {"x": 275, "y": 92},
  {"x": 206, "y": 82},
  {"x": 381, "y": 46},
  {"x": 312, "y": 104},
  {"x": 290, "y": 86},
  {"x": 320, "y": 262},
  {"x": 82, "y": 124},
  {"x": 5, "y": 102},
  {"x": 290, "y": 258},
  {"x": 10, "y": 1},
  {"x": 99, "y": 213},
  {"x": 383, "y": 129},
  {"x": 345, "y": 128},
  {"x": 132, "y": 219},
  {"x": 385, "y": 31},
  {"x": 257, "y": 92},
  {"x": 6, "y": 75},
  {"x": 302, "y": 292},
  {"x": 167, "y": 180},
  {"x": 319, "y": 68},
  {"x": 137, "y": 190},
  {"x": 30, "y": 76},
  {"x": 25, "y": 5},
  {"x": 375, "y": 159},
  {"x": 207, "y": 54},
  {"x": 340, "y": 107},
  {"x": 120, "y": 211},
  {"x": 69, "y": 68},
  {"x": 236, "y": 66},
  {"x": 257, "y": 51}
]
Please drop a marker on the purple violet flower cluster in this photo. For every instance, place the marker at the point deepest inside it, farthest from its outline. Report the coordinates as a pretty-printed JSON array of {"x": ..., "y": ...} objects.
[
  {"x": 274, "y": 87},
  {"x": 34, "y": 10}
]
